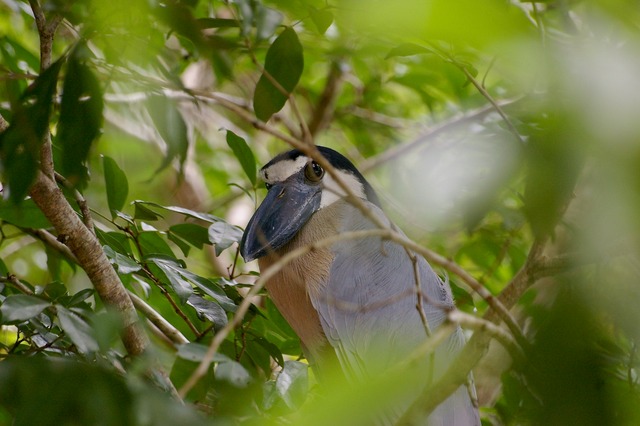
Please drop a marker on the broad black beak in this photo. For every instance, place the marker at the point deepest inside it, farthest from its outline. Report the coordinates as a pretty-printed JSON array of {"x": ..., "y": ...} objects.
[{"x": 285, "y": 210}]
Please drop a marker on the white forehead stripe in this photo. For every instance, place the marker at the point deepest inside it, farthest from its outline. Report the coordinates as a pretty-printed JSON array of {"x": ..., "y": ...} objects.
[
  {"x": 332, "y": 192},
  {"x": 282, "y": 170}
]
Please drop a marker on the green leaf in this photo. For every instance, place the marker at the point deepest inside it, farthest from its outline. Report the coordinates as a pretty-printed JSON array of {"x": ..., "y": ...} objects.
[
  {"x": 244, "y": 155},
  {"x": 142, "y": 212},
  {"x": 152, "y": 243},
  {"x": 181, "y": 210},
  {"x": 246, "y": 15},
  {"x": 267, "y": 20},
  {"x": 284, "y": 63},
  {"x": 125, "y": 264},
  {"x": 20, "y": 143},
  {"x": 77, "y": 329},
  {"x": 172, "y": 269},
  {"x": 195, "y": 235},
  {"x": 117, "y": 241},
  {"x": 184, "y": 247},
  {"x": 204, "y": 23},
  {"x": 234, "y": 373},
  {"x": 171, "y": 127},
  {"x": 407, "y": 49},
  {"x": 117, "y": 185},
  {"x": 208, "y": 310},
  {"x": 80, "y": 119},
  {"x": 21, "y": 307},
  {"x": 4, "y": 271},
  {"x": 15, "y": 55},
  {"x": 222, "y": 235},
  {"x": 322, "y": 19},
  {"x": 196, "y": 352},
  {"x": 81, "y": 296},
  {"x": 271, "y": 349},
  {"x": 212, "y": 289},
  {"x": 292, "y": 383},
  {"x": 25, "y": 215}
]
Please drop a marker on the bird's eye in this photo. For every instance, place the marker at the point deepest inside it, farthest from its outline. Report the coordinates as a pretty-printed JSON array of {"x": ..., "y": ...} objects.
[
  {"x": 313, "y": 172},
  {"x": 268, "y": 185}
]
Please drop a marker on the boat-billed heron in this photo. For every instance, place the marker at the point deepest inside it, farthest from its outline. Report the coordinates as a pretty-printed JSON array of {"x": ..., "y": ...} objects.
[{"x": 355, "y": 300}]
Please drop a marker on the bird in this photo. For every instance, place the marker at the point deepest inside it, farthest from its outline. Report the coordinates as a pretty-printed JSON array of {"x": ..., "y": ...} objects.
[{"x": 354, "y": 301}]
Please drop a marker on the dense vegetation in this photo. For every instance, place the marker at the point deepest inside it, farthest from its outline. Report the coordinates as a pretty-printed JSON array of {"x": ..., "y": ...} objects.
[{"x": 502, "y": 137}]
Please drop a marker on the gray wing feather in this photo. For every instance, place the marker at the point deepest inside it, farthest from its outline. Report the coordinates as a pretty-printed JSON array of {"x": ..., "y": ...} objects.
[{"x": 368, "y": 312}]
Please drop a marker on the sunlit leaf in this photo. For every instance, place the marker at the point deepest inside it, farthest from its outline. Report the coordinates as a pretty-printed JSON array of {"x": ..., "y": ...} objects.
[
  {"x": 407, "y": 49},
  {"x": 244, "y": 155},
  {"x": 322, "y": 19},
  {"x": 21, "y": 307},
  {"x": 284, "y": 63},
  {"x": 116, "y": 183}
]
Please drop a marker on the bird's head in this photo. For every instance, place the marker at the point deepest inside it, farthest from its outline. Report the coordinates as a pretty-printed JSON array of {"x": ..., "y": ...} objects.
[{"x": 297, "y": 188}]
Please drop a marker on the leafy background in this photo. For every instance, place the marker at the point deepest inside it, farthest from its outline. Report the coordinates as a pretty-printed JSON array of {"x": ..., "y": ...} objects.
[{"x": 501, "y": 135}]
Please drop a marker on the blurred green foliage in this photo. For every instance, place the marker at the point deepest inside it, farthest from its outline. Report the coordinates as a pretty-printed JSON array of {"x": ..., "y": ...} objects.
[{"x": 155, "y": 107}]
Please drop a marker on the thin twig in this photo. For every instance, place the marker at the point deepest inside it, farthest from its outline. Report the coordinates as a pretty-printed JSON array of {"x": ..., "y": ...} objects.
[
  {"x": 496, "y": 332},
  {"x": 14, "y": 281},
  {"x": 430, "y": 134},
  {"x": 431, "y": 256},
  {"x": 46, "y": 31},
  {"x": 82, "y": 203},
  {"x": 492, "y": 101},
  {"x": 49, "y": 239},
  {"x": 158, "y": 320},
  {"x": 307, "y": 137},
  {"x": 169, "y": 330},
  {"x": 323, "y": 111},
  {"x": 172, "y": 302},
  {"x": 266, "y": 275}
]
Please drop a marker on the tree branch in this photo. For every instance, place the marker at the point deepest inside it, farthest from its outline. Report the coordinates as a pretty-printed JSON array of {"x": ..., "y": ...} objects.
[
  {"x": 172, "y": 333},
  {"x": 323, "y": 111},
  {"x": 457, "y": 373},
  {"x": 82, "y": 203},
  {"x": 158, "y": 320},
  {"x": 87, "y": 250},
  {"x": 46, "y": 31}
]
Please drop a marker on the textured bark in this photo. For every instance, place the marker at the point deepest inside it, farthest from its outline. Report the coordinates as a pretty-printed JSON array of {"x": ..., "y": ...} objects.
[{"x": 86, "y": 247}]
